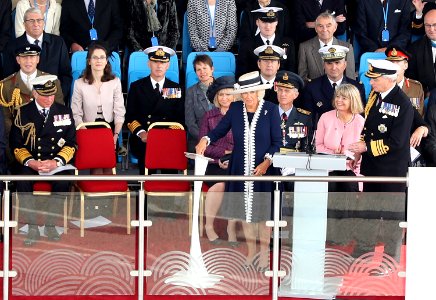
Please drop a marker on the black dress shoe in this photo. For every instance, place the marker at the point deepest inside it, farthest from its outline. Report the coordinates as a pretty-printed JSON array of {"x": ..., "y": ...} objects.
[
  {"x": 32, "y": 236},
  {"x": 51, "y": 233}
]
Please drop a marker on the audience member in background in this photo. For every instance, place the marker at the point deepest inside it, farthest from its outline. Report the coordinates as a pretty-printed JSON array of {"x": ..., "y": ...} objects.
[
  {"x": 382, "y": 23},
  {"x": 152, "y": 99},
  {"x": 97, "y": 95},
  {"x": 43, "y": 138},
  {"x": 267, "y": 20},
  {"x": 84, "y": 21},
  {"x": 249, "y": 27},
  {"x": 337, "y": 129},
  {"x": 16, "y": 89},
  {"x": 196, "y": 102},
  {"x": 268, "y": 63},
  {"x": 310, "y": 64},
  {"x": 218, "y": 94},
  {"x": 50, "y": 9},
  {"x": 5, "y": 28},
  {"x": 152, "y": 23},
  {"x": 53, "y": 58},
  {"x": 417, "y": 15},
  {"x": 255, "y": 124},
  {"x": 385, "y": 147},
  {"x": 212, "y": 24},
  {"x": 318, "y": 94},
  {"x": 306, "y": 11},
  {"x": 422, "y": 60}
]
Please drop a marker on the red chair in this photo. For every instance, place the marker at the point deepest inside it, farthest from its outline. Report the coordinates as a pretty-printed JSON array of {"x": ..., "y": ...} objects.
[
  {"x": 165, "y": 150},
  {"x": 42, "y": 188},
  {"x": 96, "y": 150}
]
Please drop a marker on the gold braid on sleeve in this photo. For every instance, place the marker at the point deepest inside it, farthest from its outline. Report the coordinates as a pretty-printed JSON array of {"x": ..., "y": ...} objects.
[{"x": 31, "y": 136}]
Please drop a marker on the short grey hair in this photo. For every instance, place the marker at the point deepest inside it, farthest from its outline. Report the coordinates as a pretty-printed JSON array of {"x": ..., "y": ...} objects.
[
  {"x": 392, "y": 77},
  {"x": 32, "y": 10},
  {"x": 325, "y": 15}
]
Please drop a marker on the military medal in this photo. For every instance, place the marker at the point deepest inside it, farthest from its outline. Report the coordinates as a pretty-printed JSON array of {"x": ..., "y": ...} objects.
[
  {"x": 415, "y": 102},
  {"x": 382, "y": 128},
  {"x": 389, "y": 109}
]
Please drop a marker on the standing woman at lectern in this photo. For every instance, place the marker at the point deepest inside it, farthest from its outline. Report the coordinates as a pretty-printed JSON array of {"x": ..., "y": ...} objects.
[
  {"x": 255, "y": 124},
  {"x": 339, "y": 128}
]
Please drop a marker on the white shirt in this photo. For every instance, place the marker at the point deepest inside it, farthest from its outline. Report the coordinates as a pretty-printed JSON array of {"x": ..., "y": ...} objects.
[
  {"x": 288, "y": 112},
  {"x": 338, "y": 83},
  {"x": 384, "y": 94},
  {"x": 31, "y": 40},
  {"x": 264, "y": 81},
  {"x": 401, "y": 83},
  {"x": 27, "y": 78},
  {"x": 321, "y": 43},
  {"x": 161, "y": 83},
  {"x": 87, "y": 3},
  {"x": 271, "y": 39}
]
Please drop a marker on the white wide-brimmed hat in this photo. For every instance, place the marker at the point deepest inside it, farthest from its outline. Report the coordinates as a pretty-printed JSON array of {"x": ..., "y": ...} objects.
[{"x": 249, "y": 82}]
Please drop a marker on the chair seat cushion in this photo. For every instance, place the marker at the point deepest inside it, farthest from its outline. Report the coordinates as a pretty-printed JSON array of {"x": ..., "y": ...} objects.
[
  {"x": 103, "y": 186},
  {"x": 167, "y": 186},
  {"x": 42, "y": 186}
]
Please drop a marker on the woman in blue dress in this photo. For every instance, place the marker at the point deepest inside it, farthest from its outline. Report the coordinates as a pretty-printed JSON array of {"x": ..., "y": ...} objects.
[{"x": 255, "y": 124}]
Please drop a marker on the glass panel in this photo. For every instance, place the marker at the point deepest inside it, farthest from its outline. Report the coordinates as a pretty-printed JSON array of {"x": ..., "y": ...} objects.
[
  {"x": 344, "y": 244},
  {"x": 194, "y": 265},
  {"x": 97, "y": 264}
]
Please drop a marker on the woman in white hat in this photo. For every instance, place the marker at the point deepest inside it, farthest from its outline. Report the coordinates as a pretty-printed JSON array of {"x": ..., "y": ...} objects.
[{"x": 255, "y": 124}]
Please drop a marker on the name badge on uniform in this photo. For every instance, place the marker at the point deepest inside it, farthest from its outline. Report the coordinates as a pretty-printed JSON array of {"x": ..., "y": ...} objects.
[
  {"x": 385, "y": 35},
  {"x": 154, "y": 41},
  {"x": 212, "y": 42},
  {"x": 93, "y": 34},
  {"x": 61, "y": 120},
  {"x": 389, "y": 109},
  {"x": 171, "y": 93}
]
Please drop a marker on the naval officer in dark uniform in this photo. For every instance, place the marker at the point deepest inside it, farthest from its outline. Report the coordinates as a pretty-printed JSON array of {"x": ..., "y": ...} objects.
[
  {"x": 42, "y": 138},
  {"x": 317, "y": 96},
  {"x": 154, "y": 98},
  {"x": 385, "y": 146}
]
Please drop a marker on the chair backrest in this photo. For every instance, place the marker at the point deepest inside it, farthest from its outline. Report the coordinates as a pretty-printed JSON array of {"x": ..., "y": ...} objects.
[
  {"x": 138, "y": 68},
  {"x": 363, "y": 67},
  {"x": 342, "y": 37},
  {"x": 95, "y": 148},
  {"x": 165, "y": 148},
  {"x": 224, "y": 64},
  {"x": 13, "y": 13},
  {"x": 186, "y": 41}
]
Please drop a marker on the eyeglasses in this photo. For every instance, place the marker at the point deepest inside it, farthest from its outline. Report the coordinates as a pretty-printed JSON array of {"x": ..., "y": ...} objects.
[
  {"x": 33, "y": 21},
  {"x": 430, "y": 26},
  {"x": 98, "y": 57}
]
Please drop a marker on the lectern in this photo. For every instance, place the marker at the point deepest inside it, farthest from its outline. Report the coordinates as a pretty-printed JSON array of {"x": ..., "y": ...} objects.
[{"x": 309, "y": 225}]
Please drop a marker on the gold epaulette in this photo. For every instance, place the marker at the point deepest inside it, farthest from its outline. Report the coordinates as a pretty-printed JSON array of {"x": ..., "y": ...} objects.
[
  {"x": 133, "y": 126},
  {"x": 67, "y": 153},
  {"x": 22, "y": 154},
  {"x": 379, "y": 148},
  {"x": 306, "y": 112}
]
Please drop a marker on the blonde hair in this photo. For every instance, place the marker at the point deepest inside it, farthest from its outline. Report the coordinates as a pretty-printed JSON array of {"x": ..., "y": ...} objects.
[
  {"x": 215, "y": 99},
  {"x": 351, "y": 92}
]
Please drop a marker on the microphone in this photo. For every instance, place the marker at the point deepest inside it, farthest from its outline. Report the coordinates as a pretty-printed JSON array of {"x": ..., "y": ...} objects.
[{"x": 310, "y": 148}]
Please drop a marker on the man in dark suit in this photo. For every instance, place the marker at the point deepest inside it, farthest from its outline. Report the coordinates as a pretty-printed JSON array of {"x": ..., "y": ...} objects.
[
  {"x": 249, "y": 16},
  {"x": 267, "y": 22},
  {"x": 310, "y": 64},
  {"x": 83, "y": 21},
  {"x": 385, "y": 147},
  {"x": 306, "y": 12},
  {"x": 379, "y": 25},
  {"x": 5, "y": 27},
  {"x": 152, "y": 99},
  {"x": 423, "y": 51},
  {"x": 53, "y": 58},
  {"x": 318, "y": 94},
  {"x": 42, "y": 139}
]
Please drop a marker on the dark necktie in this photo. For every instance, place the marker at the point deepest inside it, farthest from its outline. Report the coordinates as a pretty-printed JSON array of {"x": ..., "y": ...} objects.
[
  {"x": 379, "y": 99},
  {"x": 91, "y": 9},
  {"x": 44, "y": 113},
  {"x": 334, "y": 85},
  {"x": 284, "y": 117},
  {"x": 284, "y": 120},
  {"x": 268, "y": 42},
  {"x": 36, "y": 42},
  {"x": 156, "y": 88}
]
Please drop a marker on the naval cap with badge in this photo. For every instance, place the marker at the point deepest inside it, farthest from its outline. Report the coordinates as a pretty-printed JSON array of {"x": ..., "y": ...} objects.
[
  {"x": 288, "y": 80},
  {"x": 267, "y": 14},
  {"x": 45, "y": 85},
  {"x": 380, "y": 67},
  {"x": 159, "y": 53},
  {"x": 333, "y": 52},
  {"x": 27, "y": 50},
  {"x": 269, "y": 52}
]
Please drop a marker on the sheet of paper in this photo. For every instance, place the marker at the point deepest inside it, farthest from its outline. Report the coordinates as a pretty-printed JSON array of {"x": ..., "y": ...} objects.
[
  {"x": 59, "y": 169},
  {"x": 94, "y": 222}
]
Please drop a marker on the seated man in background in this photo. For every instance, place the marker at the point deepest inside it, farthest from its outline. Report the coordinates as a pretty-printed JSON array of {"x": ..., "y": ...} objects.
[
  {"x": 154, "y": 98},
  {"x": 43, "y": 138},
  {"x": 53, "y": 58},
  {"x": 310, "y": 64},
  {"x": 5, "y": 28},
  {"x": 318, "y": 94}
]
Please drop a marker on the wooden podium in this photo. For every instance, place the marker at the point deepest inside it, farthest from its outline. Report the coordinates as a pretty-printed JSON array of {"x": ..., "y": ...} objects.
[{"x": 309, "y": 226}]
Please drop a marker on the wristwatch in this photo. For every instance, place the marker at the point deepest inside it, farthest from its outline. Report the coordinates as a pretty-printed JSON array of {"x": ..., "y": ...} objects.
[{"x": 58, "y": 163}]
